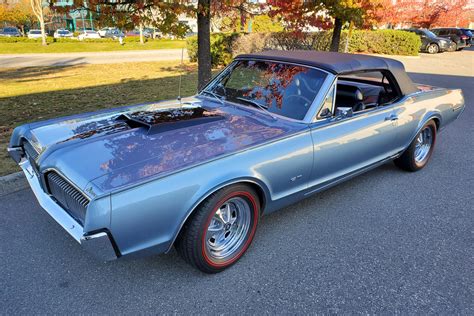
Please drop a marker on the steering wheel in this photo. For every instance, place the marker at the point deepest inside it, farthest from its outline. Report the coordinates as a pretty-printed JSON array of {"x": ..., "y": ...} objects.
[{"x": 308, "y": 101}]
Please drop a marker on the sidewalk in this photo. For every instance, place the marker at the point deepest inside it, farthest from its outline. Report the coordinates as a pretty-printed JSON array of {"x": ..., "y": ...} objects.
[{"x": 67, "y": 59}]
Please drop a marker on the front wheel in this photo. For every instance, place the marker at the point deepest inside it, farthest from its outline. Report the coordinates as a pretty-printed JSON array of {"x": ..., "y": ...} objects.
[
  {"x": 221, "y": 229},
  {"x": 416, "y": 156},
  {"x": 433, "y": 49}
]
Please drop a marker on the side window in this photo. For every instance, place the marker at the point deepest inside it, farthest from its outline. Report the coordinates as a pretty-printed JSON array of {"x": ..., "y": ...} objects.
[{"x": 365, "y": 90}]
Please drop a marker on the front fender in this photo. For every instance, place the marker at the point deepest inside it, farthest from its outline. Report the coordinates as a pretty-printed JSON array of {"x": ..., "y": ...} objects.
[
  {"x": 163, "y": 206},
  {"x": 147, "y": 217}
]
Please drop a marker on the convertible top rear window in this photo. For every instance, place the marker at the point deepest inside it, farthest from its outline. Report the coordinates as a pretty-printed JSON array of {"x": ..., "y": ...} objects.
[{"x": 281, "y": 88}]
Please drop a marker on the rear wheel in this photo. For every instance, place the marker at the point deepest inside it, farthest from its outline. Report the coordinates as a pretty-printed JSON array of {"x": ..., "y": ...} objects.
[
  {"x": 221, "y": 229},
  {"x": 433, "y": 48},
  {"x": 416, "y": 156}
]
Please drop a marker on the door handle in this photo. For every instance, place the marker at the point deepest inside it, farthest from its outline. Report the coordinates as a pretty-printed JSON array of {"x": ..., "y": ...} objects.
[{"x": 392, "y": 117}]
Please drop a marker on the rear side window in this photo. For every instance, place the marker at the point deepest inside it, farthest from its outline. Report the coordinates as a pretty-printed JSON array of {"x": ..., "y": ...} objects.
[{"x": 366, "y": 90}]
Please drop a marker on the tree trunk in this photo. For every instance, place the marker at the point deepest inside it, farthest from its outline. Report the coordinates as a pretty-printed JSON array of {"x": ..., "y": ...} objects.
[
  {"x": 336, "y": 35},
  {"x": 348, "y": 38},
  {"x": 43, "y": 31},
  {"x": 37, "y": 7},
  {"x": 204, "y": 42},
  {"x": 141, "y": 34}
]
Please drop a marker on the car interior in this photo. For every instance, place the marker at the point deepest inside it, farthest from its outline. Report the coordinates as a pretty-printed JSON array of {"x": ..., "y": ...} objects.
[{"x": 364, "y": 91}]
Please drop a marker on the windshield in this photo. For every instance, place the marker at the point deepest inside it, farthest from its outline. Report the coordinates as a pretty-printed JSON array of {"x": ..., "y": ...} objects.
[
  {"x": 283, "y": 89},
  {"x": 35, "y": 32},
  {"x": 429, "y": 33}
]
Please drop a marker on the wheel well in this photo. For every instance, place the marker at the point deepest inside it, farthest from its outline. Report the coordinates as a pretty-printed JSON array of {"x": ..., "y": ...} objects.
[
  {"x": 437, "y": 122},
  {"x": 258, "y": 189},
  {"x": 260, "y": 193}
]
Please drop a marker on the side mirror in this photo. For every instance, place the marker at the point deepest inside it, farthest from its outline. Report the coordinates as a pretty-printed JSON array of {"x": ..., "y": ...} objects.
[
  {"x": 325, "y": 113},
  {"x": 220, "y": 89},
  {"x": 343, "y": 112}
]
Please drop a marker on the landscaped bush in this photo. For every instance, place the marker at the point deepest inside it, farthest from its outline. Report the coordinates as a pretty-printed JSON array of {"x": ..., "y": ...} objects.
[
  {"x": 389, "y": 42},
  {"x": 221, "y": 48},
  {"x": 225, "y": 46}
]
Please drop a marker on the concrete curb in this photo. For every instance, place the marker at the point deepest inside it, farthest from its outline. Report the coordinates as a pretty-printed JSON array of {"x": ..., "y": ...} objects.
[{"x": 12, "y": 182}]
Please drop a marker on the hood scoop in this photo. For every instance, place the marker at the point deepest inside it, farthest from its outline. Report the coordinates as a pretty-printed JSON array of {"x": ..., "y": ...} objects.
[{"x": 169, "y": 119}]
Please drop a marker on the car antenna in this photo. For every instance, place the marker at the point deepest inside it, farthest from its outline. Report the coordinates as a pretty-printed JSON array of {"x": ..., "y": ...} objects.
[{"x": 180, "y": 75}]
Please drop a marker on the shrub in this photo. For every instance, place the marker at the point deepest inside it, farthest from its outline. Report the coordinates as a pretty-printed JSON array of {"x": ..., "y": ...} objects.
[
  {"x": 221, "y": 48},
  {"x": 225, "y": 46},
  {"x": 250, "y": 43},
  {"x": 389, "y": 42}
]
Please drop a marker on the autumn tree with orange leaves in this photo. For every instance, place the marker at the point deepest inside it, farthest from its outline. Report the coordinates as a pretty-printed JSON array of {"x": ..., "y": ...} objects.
[
  {"x": 425, "y": 13},
  {"x": 299, "y": 14}
]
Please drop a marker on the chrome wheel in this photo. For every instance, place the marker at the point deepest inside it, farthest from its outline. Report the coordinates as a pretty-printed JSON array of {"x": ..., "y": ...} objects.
[
  {"x": 423, "y": 144},
  {"x": 228, "y": 228}
]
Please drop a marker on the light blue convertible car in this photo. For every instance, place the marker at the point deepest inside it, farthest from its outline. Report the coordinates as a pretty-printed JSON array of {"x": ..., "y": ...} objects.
[{"x": 198, "y": 173}]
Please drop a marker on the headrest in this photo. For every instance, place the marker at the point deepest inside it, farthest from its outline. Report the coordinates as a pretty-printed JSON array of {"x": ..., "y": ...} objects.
[{"x": 348, "y": 91}]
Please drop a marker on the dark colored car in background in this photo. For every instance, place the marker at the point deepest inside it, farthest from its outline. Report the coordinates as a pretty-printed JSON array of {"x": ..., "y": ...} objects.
[
  {"x": 432, "y": 44},
  {"x": 469, "y": 33},
  {"x": 10, "y": 32},
  {"x": 455, "y": 34}
]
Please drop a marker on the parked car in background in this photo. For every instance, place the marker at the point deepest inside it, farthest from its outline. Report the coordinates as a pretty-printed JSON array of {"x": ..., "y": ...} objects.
[
  {"x": 102, "y": 31},
  {"x": 455, "y": 34},
  {"x": 62, "y": 33},
  {"x": 271, "y": 129},
  {"x": 34, "y": 34},
  {"x": 470, "y": 34},
  {"x": 10, "y": 32},
  {"x": 132, "y": 33},
  {"x": 113, "y": 33},
  {"x": 88, "y": 34},
  {"x": 152, "y": 33},
  {"x": 432, "y": 44}
]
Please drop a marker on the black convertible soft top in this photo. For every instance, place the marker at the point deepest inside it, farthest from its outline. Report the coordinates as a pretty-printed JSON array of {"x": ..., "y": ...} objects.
[{"x": 340, "y": 63}]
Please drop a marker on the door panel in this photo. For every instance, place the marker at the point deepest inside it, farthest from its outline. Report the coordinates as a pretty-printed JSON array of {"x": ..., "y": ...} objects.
[{"x": 344, "y": 146}]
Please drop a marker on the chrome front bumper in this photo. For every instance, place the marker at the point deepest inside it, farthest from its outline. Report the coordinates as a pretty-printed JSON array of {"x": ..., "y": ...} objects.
[{"x": 98, "y": 244}]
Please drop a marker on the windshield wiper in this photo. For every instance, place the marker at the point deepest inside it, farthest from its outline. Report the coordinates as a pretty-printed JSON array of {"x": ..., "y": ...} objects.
[
  {"x": 260, "y": 106},
  {"x": 214, "y": 95}
]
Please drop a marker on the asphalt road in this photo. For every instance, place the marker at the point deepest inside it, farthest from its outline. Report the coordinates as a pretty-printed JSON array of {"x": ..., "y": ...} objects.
[
  {"x": 69, "y": 59},
  {"x": 386, "y": 242}
]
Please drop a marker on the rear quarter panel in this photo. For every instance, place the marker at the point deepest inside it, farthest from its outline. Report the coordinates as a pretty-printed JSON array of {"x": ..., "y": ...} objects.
[{"x": 440, "y": 104}]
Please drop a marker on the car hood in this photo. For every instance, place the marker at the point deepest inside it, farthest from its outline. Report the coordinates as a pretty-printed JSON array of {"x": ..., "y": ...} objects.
[{"x": 117, "y": 148}]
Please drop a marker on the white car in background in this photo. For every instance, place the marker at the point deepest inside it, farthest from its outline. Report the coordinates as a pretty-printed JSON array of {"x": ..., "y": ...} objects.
[
  {"x": 88, "y": 34},
  {"x": 104, "y": 30},
  {"x": 61, "y": 33},
  {"x": 34, "y": 34}
]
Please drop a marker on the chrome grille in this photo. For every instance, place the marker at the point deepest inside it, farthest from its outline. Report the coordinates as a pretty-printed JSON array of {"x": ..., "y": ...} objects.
[
  {"x": 71, "y": 199},
  {"x": 30, "y": 150}
]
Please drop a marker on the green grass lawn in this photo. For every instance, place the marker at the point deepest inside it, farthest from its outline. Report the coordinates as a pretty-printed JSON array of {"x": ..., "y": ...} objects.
[
  {"x": 74, "y": 47},
  {"x": 38, "y": 93}
]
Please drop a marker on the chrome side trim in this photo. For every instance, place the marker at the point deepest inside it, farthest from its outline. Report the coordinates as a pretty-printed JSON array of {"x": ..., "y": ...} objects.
[{"x": 54, "y": 210}]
